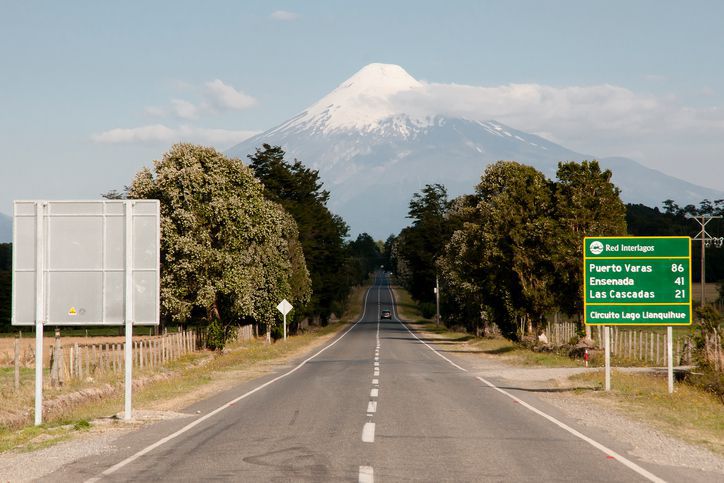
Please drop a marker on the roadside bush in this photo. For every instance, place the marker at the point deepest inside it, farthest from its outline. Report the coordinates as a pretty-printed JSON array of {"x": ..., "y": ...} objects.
[
  {"x": 428, "y": 310},
  {"x": 216, "y": 336},
  {"x": 709, "y": 380}
]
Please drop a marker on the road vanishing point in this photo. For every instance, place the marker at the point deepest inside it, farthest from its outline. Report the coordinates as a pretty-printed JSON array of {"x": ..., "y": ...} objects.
[{"x": 376, "y": 403}]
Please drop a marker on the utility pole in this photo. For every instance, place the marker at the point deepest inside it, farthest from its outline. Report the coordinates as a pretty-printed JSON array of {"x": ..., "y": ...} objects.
[
  {"x": 706, "y": 241},
  {"x": 437, "y": 300}
]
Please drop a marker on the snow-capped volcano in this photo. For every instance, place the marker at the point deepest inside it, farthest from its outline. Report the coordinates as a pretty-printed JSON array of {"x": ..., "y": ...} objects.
[
  {"x": 373, "y": 154},
  {"x": 364, "y": 102}
]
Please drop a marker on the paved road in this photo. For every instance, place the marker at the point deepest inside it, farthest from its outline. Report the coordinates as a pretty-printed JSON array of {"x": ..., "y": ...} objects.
[{"x": 378, "y": 404}]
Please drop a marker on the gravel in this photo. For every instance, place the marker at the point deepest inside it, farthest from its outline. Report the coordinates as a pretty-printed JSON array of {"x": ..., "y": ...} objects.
[
  {"x": 19, "y": 466},
  {"x": 648, "y": 443}
]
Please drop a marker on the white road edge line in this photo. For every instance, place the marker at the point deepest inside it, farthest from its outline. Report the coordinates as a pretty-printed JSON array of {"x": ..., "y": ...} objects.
[
  {"x": 368, "y": 433},
  {"x": 366, "y": 474},
  {"x": 608, "y": 451},
  {"x": 168, "y": 438}
]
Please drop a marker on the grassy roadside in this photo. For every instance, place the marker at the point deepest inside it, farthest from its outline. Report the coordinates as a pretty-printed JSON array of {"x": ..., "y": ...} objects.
[
  {"x": 186, "y": 380},
  {"x": 691, "y": 414},
  {"x": 504, "y": 349}
]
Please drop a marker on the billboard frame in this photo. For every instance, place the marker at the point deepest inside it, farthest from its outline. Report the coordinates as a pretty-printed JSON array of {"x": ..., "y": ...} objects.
[{"x": 42, "y": 215}]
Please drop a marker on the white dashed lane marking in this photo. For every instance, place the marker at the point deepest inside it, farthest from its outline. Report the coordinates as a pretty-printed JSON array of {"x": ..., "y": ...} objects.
[
  {"x": 374, "y": 392},
  {"x": 366, "y": 474},
  {"x": 368, "y": 433},
  {"x": 372, "y": 407},
  {"x": 375, "y": 382}
]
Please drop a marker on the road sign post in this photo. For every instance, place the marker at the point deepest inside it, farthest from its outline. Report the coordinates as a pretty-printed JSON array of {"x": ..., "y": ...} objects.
[
  {"x": 637, "y": 281},
  {"x": 284, "y": 307}
]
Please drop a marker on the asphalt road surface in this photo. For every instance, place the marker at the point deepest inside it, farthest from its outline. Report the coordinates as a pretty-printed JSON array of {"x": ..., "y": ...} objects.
[{"x": 375, "y": 404}]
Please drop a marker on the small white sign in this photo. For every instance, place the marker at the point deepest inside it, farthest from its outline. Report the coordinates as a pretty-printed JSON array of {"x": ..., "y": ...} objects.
[{"x": 284, "y": 307}]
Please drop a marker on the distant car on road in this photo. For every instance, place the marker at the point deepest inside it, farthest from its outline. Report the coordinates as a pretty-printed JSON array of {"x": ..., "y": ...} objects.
[{"x": 386, "y": 314}]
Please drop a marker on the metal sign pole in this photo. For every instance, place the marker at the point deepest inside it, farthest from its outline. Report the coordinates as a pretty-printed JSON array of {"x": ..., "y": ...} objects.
[
  {"x": 670, "y": 357},
  {"x": 39, "y": 311},
  {"x": 127, "y": 415},
  {"x": 607, "y": 350},
  {"x": 285, "y": 326}
]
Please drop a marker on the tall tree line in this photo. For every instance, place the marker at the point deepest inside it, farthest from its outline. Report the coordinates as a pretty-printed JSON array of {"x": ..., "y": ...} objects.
[
  {"x": 333, "y": 263},
  {"x": 510, "y": 252},
  {"x": 228, "y": 253},
  {"x": 6, "y": 260}
]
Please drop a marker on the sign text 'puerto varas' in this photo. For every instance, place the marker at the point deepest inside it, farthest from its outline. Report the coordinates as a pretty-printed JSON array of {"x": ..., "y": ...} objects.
[{"x": 637, "y": 280}]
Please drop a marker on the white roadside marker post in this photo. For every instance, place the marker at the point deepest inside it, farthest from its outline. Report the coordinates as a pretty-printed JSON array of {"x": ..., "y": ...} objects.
[{"x": 284, "y": 307}]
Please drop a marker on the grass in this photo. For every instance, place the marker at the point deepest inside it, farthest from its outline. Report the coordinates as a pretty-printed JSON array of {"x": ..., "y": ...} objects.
[
  {"x": 689, "y": 413},
  {"x": 507, "y": 350},
  {"x": 185, "y": 376}
]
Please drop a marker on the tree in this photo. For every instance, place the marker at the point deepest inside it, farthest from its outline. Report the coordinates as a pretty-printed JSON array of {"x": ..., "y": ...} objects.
[
  {"x": 299, "y": 190},
  {"x": 227, "y": 253},
  {"x": 6, "y": 257},
  {"x": 363, "y": 257},
  {"x": 422, "y": 242},
  {"x": 586, "y": 204},
  {"x": 516, "y": 226}
]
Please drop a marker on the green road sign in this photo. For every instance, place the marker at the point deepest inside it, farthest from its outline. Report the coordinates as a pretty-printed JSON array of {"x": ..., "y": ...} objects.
[{"x": 637, "y": 280}]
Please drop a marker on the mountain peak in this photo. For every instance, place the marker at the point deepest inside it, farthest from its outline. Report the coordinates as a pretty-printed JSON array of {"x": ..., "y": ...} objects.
[
  {"x": 360, "y": 103},
  {"x": 378, "y": 80}
]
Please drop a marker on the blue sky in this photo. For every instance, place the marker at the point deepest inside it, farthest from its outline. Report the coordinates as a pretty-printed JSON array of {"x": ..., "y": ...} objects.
[{"x": 92, "y": 91}]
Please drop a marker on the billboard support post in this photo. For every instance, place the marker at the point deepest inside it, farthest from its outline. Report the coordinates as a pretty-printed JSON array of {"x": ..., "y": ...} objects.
[
  {"x": 128, "y": 310},
  {"x": 670, "y": 357},
  {"x": 607, "y": 349},
  {"x": 39, "y": 311}
]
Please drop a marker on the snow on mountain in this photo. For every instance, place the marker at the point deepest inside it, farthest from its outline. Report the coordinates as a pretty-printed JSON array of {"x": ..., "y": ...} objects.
[
  {"x": 362, "y": 103},
  {"x": 373, "y": 156}
]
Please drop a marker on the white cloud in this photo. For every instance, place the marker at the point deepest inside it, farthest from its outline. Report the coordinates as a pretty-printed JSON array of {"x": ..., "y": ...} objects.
[
  {"x": 216, "y": 137},
  {"x": 185, "y": 109},
  {"x": 155, "y": 111},
  {"x": 223, "y": 96},
  {"x": 284, "y": 15},
  {"x": 573, "y": 115},
  {"x": 159, "y": 133},
  {"x": 143, "y": 134}
]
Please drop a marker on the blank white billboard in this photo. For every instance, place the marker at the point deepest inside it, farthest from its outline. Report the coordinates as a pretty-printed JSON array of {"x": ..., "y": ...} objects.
[{"x": 83, "y": 262}]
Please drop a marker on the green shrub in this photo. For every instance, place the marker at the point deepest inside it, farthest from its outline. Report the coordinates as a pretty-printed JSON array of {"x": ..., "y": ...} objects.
[
  {"x": 428, "y": 310},
  {"x": 216, "y": 336}
]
